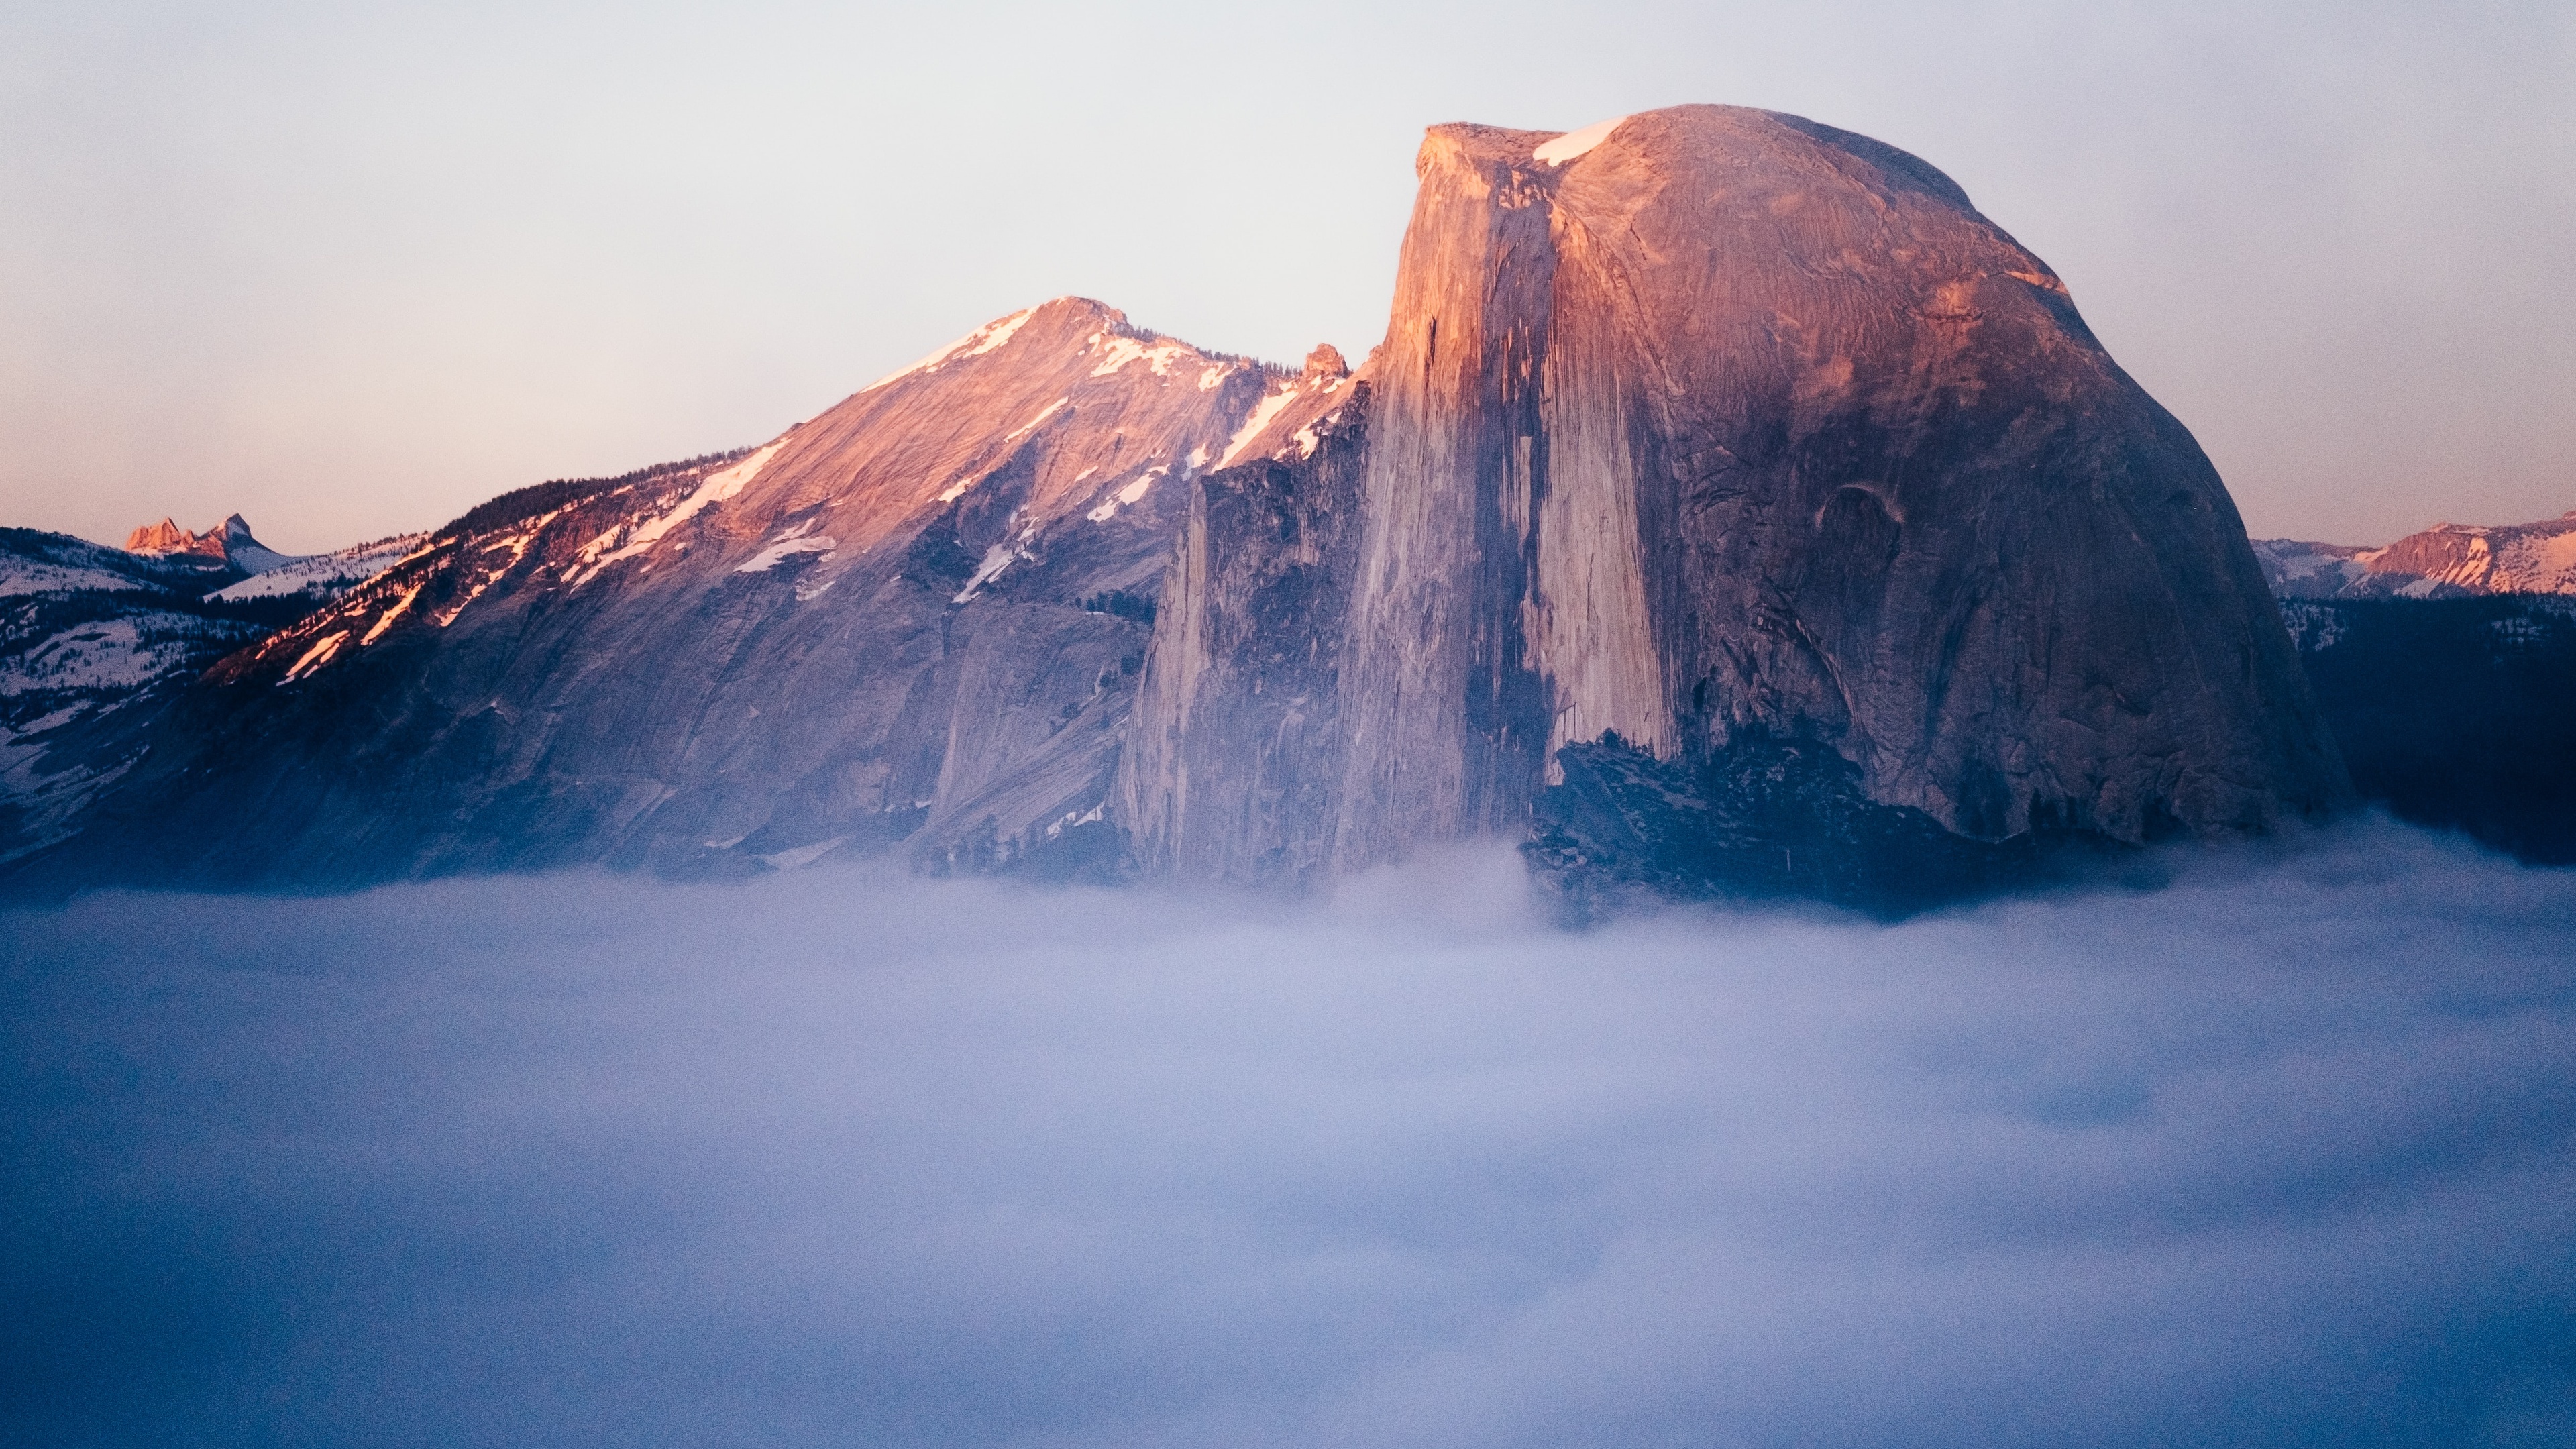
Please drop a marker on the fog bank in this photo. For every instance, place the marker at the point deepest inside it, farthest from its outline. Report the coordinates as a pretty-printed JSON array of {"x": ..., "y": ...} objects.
[{"x": 2278, "y": 1154}]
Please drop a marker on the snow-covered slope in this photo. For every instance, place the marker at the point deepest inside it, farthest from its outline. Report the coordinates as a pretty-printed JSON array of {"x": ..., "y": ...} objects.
[
  {"x": 323, "y": 576},
  {"x": 95, "y": 642},
  {"x": 92, "y": 641}
]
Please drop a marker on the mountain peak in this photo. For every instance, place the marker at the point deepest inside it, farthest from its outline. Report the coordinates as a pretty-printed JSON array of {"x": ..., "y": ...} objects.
[
  {"x": 230, "y": 542},
  {"x": 163, "y": 537}
]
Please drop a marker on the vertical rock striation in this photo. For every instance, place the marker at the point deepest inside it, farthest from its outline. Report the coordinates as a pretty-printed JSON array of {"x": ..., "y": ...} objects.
[{"x": 1712, "y": 435}]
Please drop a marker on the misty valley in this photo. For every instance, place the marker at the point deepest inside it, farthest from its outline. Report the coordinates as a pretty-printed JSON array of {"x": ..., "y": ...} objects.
[{"x": 1726, "y": 840}]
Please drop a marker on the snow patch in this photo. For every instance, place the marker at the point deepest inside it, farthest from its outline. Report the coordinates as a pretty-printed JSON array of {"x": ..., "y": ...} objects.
[
  {"x": 1117, "y": 352},
  {"x": 28, "y": 576},
  {"x": 996, "y": 559},
  {"x": 1031, "y": 426},
  {"x": 400, "y": 608},
  {"x": 328, "y": 572},
  {"x": 1574, "y": 143},
  {"x": 1075, "y": 817},
  {"x": 800, "y": 856},
  {"x": 1143, "y": 484},
  {"x": 317, "y": 656},
  {"x": 983, "y": 339},
  {"x": 1262, "y": 412},
  {"x": 770, "y": 557},
  {"x": 110, "y": 654},
  {"x": 640, "y": 537}
]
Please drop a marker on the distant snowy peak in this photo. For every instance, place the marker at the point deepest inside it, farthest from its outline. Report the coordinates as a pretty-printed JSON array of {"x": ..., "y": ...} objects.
[
  {"x": 227, "y": 542},
  {"x": 2446, "y": 560}
]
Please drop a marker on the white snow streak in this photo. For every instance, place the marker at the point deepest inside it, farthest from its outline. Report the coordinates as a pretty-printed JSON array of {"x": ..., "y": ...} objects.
[
  {"x": 1262, "y": 412},
  {"x": 400, "y": 608},
  {"x": 1117, "y": 352},
  {"x": 1031, "y": 426},
  {"x": 1143, "y": 484},
  {"x": 317, "y": 656},
  {"x": 1574, "y": 143},
  {"x": 974, "y": 344},
  {"x": 802, "y": 855},
  {"x": 770, "y": 557},
  {"x": 996, "y": 559},
  {"x": 640, "y": 537}
]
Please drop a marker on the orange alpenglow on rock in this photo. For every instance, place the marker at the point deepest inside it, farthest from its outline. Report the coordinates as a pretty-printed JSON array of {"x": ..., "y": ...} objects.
[
  {"x": 1708, "y": 431},
  {"x": 168, "y": 537}
]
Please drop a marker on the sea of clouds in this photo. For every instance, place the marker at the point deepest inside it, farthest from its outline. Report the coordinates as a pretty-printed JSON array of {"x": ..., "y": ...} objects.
[{"x": 2277, "y": 1154}]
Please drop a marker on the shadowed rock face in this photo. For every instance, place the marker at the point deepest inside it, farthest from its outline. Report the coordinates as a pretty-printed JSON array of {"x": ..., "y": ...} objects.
[
  {"x": 1731, "y": 429},
  {"x": 916, "y": 620}
]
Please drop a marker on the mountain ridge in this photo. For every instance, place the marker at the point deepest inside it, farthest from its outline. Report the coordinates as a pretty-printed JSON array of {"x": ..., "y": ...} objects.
[
  {"x": 2447, "y": 560},
  {"x": 1706, "y": 447}
]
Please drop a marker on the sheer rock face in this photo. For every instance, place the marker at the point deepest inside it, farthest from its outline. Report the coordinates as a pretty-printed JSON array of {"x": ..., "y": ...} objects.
[
  {"x": 914, "y": 620},
  {"x": 1736, "y": 427}
]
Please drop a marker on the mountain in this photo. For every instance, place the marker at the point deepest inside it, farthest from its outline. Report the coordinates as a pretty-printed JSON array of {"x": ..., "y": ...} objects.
[
  {"x": 1730, "y": 508},
  {"x": 2448, "y": 560},
  {"x": 229, "y": 542},
  {"x": 912, "y": 621},
  {"x": 96, "y": 643},
  {"x": 1720, "y": 472}
]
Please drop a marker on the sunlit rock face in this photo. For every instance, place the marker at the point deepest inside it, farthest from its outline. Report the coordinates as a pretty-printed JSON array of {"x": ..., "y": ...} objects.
[
  {"x": 1707, "y": 430},
  {"x": 2448, "y": 560},
  {"x": 914, "y": 622}
]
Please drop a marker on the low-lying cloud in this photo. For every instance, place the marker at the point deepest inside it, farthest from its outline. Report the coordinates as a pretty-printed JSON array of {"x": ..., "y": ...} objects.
[{"x": 2279, "y": 1154}]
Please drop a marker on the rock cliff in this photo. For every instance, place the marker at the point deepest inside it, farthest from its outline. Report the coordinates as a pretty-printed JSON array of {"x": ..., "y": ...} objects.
[{"x": 1701, "y": 432}]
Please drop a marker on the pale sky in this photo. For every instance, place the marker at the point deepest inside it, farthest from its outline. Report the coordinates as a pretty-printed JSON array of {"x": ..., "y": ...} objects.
[{"x": 350, "y": 269}]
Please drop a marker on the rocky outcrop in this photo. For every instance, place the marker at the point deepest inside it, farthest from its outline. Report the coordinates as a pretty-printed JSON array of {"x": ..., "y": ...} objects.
[
  {"x": 229, "y": 543},
  {"x": 168, "y": 537},
  {"x": 1704, "y": 431}
]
